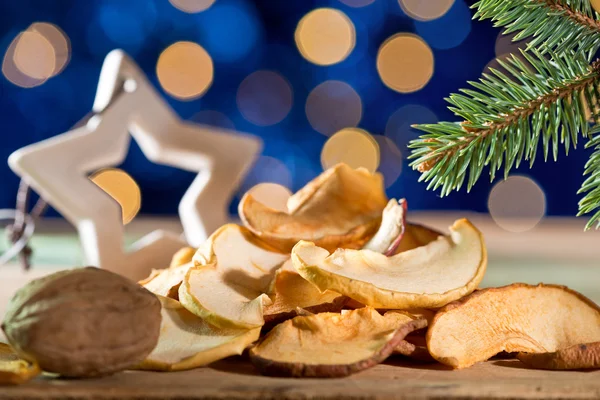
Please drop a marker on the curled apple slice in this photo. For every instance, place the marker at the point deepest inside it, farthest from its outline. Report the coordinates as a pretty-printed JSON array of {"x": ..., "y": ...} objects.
[
  {"x": 429, "y": 276},
  {"x": 579, "y": 356},
  {"x": 392, "y": 228},
  {"x": 13, "y": 369},
  {"x": 165, "y": 282},
  {"x": 232, "y": 273},
  {"x": 515, "y": 318},
  {"x": 330, "y": 344},
  {"x": 340, "y": 208},
  {"x": 187, "y": 341},
  {"x": 414, "y": 345}
]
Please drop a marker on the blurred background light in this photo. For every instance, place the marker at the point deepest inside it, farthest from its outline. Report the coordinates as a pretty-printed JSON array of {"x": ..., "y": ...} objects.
[
  {"x": 405, "y": 63},
  {"x": 34, "y": 55},
  {"x": 449, "y": 30},
  {"x": 119, "y": 185},
  {"x": 12, "y": 73},
  {"x": 353, "y": 146},
  {"x": 325, "y": 36},
  {"x": 60, "y": 43},
  {"x": 265, "y": 98},
  {"x": 425, "y": 10},
  {"x": 213, "y": 118},
  {"x": 398, "y": 127},
  {"x": 333, "y": 105},
  {"x": 185, "y": 70},
  {"x": 272, "y": 195},
  {"x": 390, "y": 164},
  {"x": 596, "y": 5},
  {"x": 192, "y": 6},
  {"x": 517, "y": 204},
  {"x": 267, "y": 169},
  {"x": 357, "y": 3}
]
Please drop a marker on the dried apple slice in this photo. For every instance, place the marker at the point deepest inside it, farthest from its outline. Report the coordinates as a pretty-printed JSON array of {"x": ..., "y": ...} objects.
[
  {"x": 392, "y": 228},
  {"x": 416, "y": 235},
  {"x": 183, "y": 256},
  {"x": 13, "y": 369},
  {"x": 414, "y": 345},
  {"x": 429, "y": 276},
  {"x": 579, "y": 356},
  {"x": 515, "y": 318},
  {"x": 330, "y": 344},
  {"x": 232, "y": 273},
  {"x": 165, "y": 282},
  {"x": 187, "y": 341},
  {"x": 340, "y": 208}
]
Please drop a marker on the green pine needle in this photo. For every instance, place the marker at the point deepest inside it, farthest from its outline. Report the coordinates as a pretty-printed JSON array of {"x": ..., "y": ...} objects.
[
  {"x": 557, "y": 25},
  {"x": 591, "y": 201}
]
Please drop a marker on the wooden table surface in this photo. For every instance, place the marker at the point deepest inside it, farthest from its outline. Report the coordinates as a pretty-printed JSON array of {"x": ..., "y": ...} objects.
[
  {"x": 556, "y": 251},
  {"x": 235, "y": 378}
]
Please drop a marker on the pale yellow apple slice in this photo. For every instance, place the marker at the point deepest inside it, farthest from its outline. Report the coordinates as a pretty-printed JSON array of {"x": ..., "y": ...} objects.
[
  {"x": 340, "y": 208},
  {"x": 165, "y": 282},
  {"x": 330, "y": 344},
  {"x": 13, "y": 369},
  {"x": 429, "y": 276},
  {"x": 515, "y": 318},
  {"x": 232, "y": 273},
  {"x": 187, "y": 341},
  {"x": 392, "y": 228}
]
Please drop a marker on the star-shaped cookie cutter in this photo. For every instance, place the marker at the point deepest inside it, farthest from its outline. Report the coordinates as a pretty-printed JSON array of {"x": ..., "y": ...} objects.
[{"x": 127, "y": 105}]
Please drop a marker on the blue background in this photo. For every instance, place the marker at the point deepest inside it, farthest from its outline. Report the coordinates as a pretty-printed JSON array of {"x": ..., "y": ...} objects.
[{"x": 243, "y": 36}]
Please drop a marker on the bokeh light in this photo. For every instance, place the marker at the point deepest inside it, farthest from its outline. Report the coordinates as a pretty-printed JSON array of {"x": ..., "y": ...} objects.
[
  {"x": 213, "y": 118},
  {"x": 325, "y": 36},
  {"x": 353, "y": 146},
  {"x": 333, "y": 105},
  {"x": 267, "y": 169},
  {"x": 192, "y": 6},
  {"x": 405, "y": 63},
  {"x": 425, "y": 10},
  {"x": 390, "y": 164},
  {"x": 357, "y": 3},
  {"x": 265, "y": 98},
  {"x": 119, "y": 185},
  {"x": 517, "y": 204},
  {"x": 398, "y": 127},
  {"x": 185, "y": 70},
  {"x": 596, "y": 5},
  {"x": 505, "y": 44},
  {"x": 448, "y": 31},
  {"x": 272, "y": 195},
  {"x": 60, "y": 43}
]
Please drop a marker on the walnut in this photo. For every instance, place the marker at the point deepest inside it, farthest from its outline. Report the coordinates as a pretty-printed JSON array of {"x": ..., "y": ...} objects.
[{"x": 83, "y": 322}]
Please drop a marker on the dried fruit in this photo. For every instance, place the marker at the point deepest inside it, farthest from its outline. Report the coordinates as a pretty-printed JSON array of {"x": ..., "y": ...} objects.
[
  {"x": 415, "y": 236},
  {"x": 579, "y": 356},
  {"x": 330, "y": 345},
  {"x": 51, "y": 320},
  {"x": 392, "y": 228},
  {"x": 233, "y": 271},
  {"x": 514, "y": 318},
  {"x": 186, "y": 341},
  {"x": 429, "y": 276},
  {"x": 165, "y": 282},
  {"x": 340, "y": 208},
  {"x": 13, "y": 369},
  {"x": 183, "y": 256},
  {"x": 414, "y": 345},
  {"x": 291, "y": 291}
]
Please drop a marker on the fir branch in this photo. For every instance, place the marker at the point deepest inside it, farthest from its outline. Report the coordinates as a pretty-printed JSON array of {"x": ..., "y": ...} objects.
[
  {"x": 590, "y": 203},
  {"x": 505, "y": 117},
  {"x": 556, "y": 25}
]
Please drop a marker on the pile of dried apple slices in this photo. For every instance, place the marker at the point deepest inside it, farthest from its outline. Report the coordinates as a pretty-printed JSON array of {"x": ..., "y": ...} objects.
[{"x": 341, "y": 281}]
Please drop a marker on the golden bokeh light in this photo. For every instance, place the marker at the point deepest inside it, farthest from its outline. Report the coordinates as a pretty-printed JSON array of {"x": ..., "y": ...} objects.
[
  {"x": 272, "y": 195},
  {"x": 34, "y": 55},
  {"x": 517, "y": 204},
  {"x": 353, "y": 146},
  {"x": 333, "y": 105},
  {"x": 119, "y": 185},
  {"x": 505, "y": 44},
  {"x": 405, "y": 63},
  {"x": 192, "y": 6},
  {"x": 13, "y": 73},
  {"x": 59, "y": 41},
  {"x": 425, "y": 10},
  {"x": 390, "y": 164},
  {"x": 596, "y": 5},
  {"x": 357, "y": 3},
  {"x": 264, "y": 98},
  {"x": 325, "y": 36},
  {"x": 185, "y": 70}
]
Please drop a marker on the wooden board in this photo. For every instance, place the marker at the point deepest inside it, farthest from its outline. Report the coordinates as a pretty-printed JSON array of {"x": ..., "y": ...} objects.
[{"x": 236, "y": 379}]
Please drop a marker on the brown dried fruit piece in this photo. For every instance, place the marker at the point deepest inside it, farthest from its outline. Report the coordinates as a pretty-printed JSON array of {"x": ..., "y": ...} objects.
[
  {"x": 232, "y": 273},
  {"x": 165, "y": 282},
  {"x": 330, "y": 345},
  {"x": 514, "y": 318},
  {"x": 50, "y": 321},
  {"x": 579, "y": 356},
  {"x": 13, "y": 369},
  {"x": 414, "y": 344},
  {"x": 186, "y": 341},
  {"x": 340, "y": 208},
  {"x": 429, "y": 276}
]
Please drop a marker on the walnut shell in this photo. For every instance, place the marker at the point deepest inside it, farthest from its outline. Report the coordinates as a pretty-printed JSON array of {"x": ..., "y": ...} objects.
[{"x": 83, "y": 322}]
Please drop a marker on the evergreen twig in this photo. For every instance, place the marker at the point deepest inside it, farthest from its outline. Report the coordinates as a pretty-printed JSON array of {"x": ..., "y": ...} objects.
[{"x": 590, "y": 203}]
